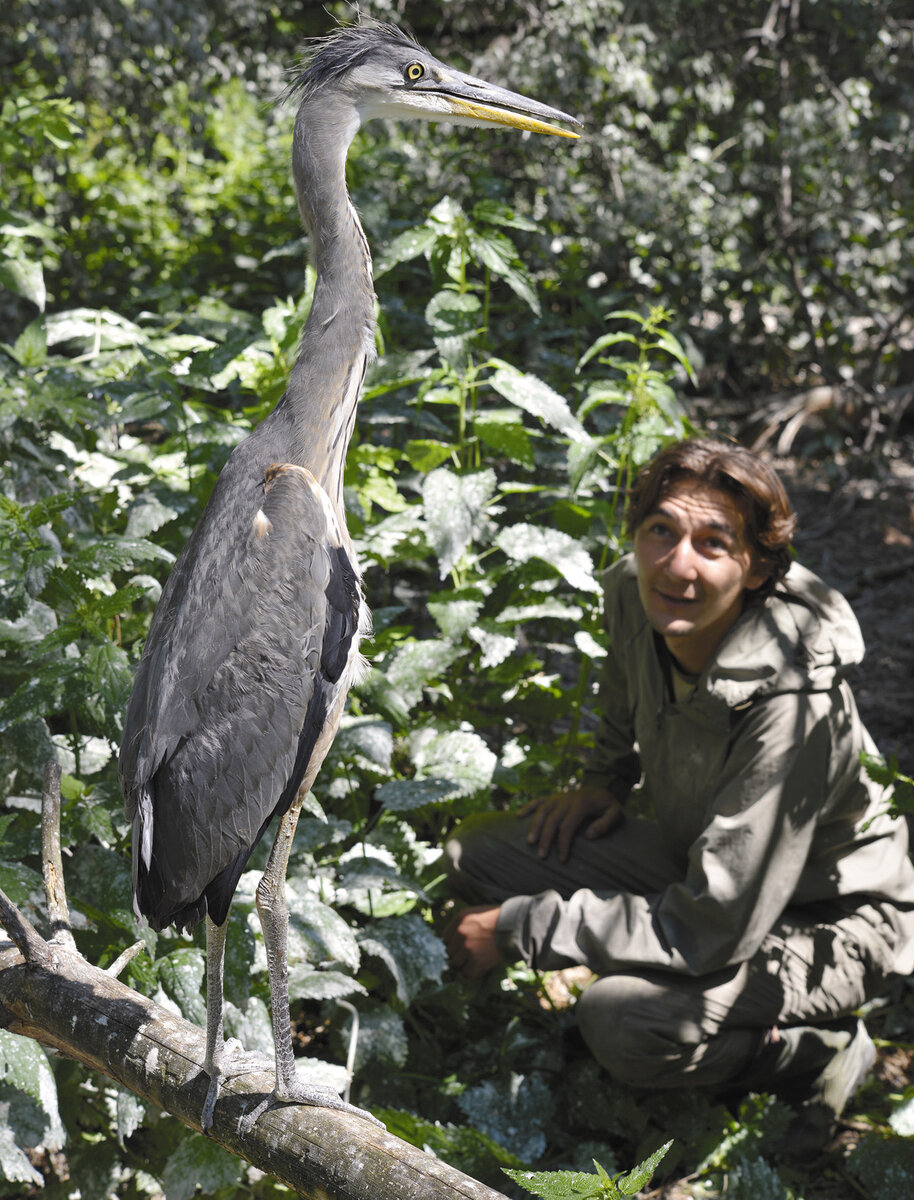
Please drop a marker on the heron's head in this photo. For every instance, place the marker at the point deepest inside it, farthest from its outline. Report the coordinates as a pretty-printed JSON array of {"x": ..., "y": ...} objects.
[{"x": 381, "y": 72}]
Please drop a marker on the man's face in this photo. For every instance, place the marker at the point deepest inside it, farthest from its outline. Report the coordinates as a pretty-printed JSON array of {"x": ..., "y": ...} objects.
[{"x": 694, "y": 565}]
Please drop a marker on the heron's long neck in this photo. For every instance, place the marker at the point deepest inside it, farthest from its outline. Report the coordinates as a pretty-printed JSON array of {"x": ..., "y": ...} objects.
[{"x": 339, "y": 334}]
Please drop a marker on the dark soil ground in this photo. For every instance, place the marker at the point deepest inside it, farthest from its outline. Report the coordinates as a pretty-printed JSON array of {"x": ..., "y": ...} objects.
[{"x": 857, "y": 532}]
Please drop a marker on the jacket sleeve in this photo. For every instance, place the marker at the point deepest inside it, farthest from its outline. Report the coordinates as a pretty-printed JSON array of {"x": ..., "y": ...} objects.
[{"x": 742, "y": 869}]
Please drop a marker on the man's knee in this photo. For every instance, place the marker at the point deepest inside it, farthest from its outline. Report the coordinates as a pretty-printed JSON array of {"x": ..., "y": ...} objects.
[
  {"x": 470, "y": 856},
  {"x": 633, "y": 1034}
]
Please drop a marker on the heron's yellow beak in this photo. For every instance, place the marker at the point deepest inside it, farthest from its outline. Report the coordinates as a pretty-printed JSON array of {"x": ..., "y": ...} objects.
[{"x": 486, "y": 113}]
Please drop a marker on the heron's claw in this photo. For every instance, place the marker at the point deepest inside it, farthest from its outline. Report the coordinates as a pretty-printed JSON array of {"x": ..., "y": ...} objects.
[
  {"x": 234, "y": 1060},
  {"x": 313, "y": 1094}
]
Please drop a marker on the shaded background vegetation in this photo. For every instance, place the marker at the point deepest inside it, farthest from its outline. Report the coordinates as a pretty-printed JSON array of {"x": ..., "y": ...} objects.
[{"x": 742, "y": 197}]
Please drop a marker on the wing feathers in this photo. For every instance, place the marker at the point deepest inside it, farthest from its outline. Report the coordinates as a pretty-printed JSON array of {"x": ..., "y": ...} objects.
[{"x": 234, "y": 689}]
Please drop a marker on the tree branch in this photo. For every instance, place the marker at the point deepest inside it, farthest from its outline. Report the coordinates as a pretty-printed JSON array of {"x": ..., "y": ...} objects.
[
  {"x": 51, "y": 862},
  {"x": 322, "y": 1153},
  {"x": 49, "y": 992}
]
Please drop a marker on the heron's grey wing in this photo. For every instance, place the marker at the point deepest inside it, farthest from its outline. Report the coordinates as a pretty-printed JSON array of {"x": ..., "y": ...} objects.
[{"x": 291, "y": 605}]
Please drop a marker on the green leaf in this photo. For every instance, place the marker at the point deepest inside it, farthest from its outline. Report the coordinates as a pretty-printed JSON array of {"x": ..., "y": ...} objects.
[
  {"x": 199, "y": 1162},
  {"x": 537, "y": 398},
  {"x": 409, "y": 795},
  {"x": 457, "y": 755},
  {"x": 28, "y": 1101},
  {"x": 515, "y": 1111},
  {"x": 637, "y": 1179},
  {"x": 493, "y": 212},
  {"x": 496, "y": 252},
  {"x": 316, "y": 932},
  {"x": 455, "y": 319},
  {"x": 24, "y": 277},
  {"x": 405, "y": 246},
  {"x": 509, "y": 439},
  {"x": 560, "y": 550},
  {"x": 305, "y": 983},
  {"x": 603, "y": 343},
  {"x": 181, "y": 974},
  {"x": 560, "y": 1185},
  {"x": 417, "y": 665},
  {"x": 410, "y": 951},
  {"x": 455, "y": 507},
  {"x": 19, "y": 882},
  {"x": 424, "y": 454}
]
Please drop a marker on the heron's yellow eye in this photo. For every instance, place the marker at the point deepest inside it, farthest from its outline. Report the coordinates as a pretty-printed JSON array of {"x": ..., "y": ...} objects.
[{"x": 414, "y": 71}]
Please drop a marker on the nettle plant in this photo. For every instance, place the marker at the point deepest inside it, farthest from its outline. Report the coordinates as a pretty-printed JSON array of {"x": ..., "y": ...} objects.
[{"x": 484, "y": 500}]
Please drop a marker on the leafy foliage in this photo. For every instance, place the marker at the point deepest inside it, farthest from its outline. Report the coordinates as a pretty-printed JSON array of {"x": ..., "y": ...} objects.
[
  {"x": 575, "y": 1185},
  {"x": 152, "y": 292}
]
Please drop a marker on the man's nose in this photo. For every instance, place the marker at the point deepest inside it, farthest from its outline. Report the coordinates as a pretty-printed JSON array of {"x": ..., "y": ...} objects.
[{"x": 681, "y": 562}]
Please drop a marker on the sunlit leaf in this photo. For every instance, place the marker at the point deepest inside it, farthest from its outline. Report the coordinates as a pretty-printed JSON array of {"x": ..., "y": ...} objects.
[{"x": 560, "y": 550}]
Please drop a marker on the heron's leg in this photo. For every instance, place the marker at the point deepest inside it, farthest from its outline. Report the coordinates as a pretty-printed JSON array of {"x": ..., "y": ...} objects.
[
  {"x": 215, "y": 1045},
  {"x": 274, "y": 919}
]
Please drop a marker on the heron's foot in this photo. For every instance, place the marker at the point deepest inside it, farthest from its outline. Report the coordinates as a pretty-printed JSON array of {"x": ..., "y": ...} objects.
[
  {"x": 234, "y": 1060},
  {"x": 314, "y": 1094}
]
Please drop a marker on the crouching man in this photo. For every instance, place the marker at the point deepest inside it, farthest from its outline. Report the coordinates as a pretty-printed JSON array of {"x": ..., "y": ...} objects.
[{"x": 734, "y": 933}]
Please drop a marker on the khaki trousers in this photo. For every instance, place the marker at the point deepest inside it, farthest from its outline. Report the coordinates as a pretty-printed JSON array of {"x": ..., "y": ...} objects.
[{"x": 658, "y": 1028}]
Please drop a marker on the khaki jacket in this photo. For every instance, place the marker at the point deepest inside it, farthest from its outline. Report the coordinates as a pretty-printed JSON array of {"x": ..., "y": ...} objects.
[{"x": 755, "y": 782}]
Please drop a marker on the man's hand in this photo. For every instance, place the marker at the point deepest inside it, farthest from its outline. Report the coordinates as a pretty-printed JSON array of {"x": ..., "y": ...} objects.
[
  {"x": 557, "y": 818},
  {"x": 470, "y": 940}
]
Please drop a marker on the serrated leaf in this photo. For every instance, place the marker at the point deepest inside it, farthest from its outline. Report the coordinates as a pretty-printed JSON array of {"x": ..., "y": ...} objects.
[
  {"x": 495, "y": 647},
  {"x": 316, "y": 932},
  {"x": 36, "y": 623},
  {"x": 603, "y": 343},
  {"x": 560, "y": 550},
  {"x": 412, "y": 953},
  {"x": 117, "y": 554},
  {"x": 405, "y": 246},
  {"x": 307, "y": 984},
  {"x": 458, "y": 755},
  {"x": 638, "y": 1178},
  {"x": 148, "y": 514},
  {"x": 199, "y": 1162},
  {"x": 497, "y": 252},
  {"x": 181, "y": 974},
  {"x": 93, "y": 328},
  {"x": 28, "y": 1092},
  {"x": 250, "y": 1024},
  {"x": 129, "y": 1112},
  {"x": 515, "y": 1112},
  {"x": 382, "y": 1039},
  {"x": 559, "y": 1185},
  {"x": 19, "y": 882},
  {"x": 454, "y": 617},
  {"x": 454, "y": 507},
  {"x": 14, "y": 1165},
  {"x": 493, "y": 212},
  {"x": 407, "y": 795},
  {"x": 455, "y": 318},
  {"x": 417, "y": 664},
  {"x": 537, "y": 398}
]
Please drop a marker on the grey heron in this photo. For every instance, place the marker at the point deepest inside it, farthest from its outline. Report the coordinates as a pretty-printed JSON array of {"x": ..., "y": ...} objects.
[{"x": 255, "y": 640}]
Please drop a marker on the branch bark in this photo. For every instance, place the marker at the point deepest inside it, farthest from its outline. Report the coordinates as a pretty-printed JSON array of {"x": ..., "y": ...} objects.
[
  {"x": 50, "y": 992},
  {"x": 60, "y": 999}
]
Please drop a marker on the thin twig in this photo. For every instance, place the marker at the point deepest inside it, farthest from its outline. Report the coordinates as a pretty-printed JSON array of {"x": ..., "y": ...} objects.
[
  {"x": 124, "y": 958},
  {"x": 51, "y": 862},
  {"x": 30, "y": 944}
]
